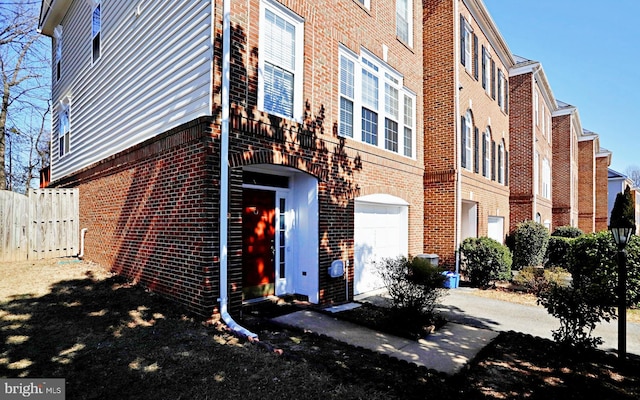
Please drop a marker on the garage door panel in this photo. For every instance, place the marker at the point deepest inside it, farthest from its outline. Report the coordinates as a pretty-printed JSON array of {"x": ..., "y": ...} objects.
[{"x": 380, "y": 232}]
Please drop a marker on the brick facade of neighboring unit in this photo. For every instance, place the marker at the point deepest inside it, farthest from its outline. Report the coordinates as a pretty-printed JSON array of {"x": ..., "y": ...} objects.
[
  {"x": 531, "y": 159},
  {"x": 463, "y": 105},
  {"x": 566, "y": 128},
  {"x": 587, "y": 185},
  {"x": 602, "y": 195}
]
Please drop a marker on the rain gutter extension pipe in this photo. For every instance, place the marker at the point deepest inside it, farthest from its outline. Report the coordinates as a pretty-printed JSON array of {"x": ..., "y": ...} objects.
[{"x": 224, "y": 173}]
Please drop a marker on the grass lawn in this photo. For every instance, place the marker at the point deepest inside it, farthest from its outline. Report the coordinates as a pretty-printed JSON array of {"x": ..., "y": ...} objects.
[{"x": 113, "y": 340}]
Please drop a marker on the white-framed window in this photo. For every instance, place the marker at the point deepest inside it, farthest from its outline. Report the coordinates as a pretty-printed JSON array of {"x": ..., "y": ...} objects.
[
  {"x": 347, "y": 96},
  {"x": 280, "y": 62},
  {"x": 64, "y": 127},
  {"x": 365, "y": 3},
  {"x": 466, "y": 140},
  {"x": 466, "y": 44},
  {"x": 501, "y": 90},
  {"x": 57, "y": 35},
  {"x": 501, "y": 162},
  {"x": 486, "y": 153},
  {"x": 409, "y": 112},
  {"x": 404, "y": 21},
  {"x": 96, "y": 29},
  {"x": 486, "y": 70},
  {"x": 375, "y": 107},
  {"x": 546, "y": 179}
]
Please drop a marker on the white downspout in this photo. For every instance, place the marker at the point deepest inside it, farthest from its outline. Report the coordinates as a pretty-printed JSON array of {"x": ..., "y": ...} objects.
[
  {"x": 458, "y": 150},
  {"x": 82, "y": 233},
  {"x": 224, "y": 172}
]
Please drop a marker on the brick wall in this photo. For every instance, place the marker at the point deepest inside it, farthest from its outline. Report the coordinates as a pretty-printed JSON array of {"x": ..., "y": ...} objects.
[
  {"x": 440, "y": 154},
  {"x": 443, "y": 178},
  {"x": 564, "y": 172},
  {"x": 521, "y": 175},
  {"x": 586, "y": 186},
  {"x": 151, "y": 214},
  {"x": 602, "y": 193}
]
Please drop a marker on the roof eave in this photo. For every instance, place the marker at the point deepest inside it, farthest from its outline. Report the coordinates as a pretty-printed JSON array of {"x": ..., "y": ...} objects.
[{"x": 51, "y": 14}]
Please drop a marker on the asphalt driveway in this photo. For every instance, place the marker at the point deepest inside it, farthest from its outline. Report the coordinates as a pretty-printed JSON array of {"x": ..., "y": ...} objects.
[{"x": 462, "y": 306}]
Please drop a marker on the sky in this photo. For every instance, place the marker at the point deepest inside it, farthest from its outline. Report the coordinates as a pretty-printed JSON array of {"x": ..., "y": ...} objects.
[{"x": 590, "y": 53}]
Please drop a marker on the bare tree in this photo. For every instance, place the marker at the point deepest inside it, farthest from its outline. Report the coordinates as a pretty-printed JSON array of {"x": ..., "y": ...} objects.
[
  {"x": 24, "y": 72},
  {"x": 633, "y": 172}
]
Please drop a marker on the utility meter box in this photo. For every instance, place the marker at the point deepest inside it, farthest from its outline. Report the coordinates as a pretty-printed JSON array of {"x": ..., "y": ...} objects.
[{"x": 336, "y": 269}]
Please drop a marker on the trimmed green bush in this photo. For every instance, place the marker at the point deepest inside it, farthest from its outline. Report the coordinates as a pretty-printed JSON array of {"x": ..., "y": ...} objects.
[
  {"x": 415, "y": 286},
  {"x": 567, "y": 232},
  {"x": 558, "y": 252},
  {"x": 485, "y": 260},
  {"x": 592, "y": 295},
  {"x": 530, "y": 244}
]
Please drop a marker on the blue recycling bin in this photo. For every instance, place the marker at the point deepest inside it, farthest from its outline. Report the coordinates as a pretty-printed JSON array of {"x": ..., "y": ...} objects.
[{"x": 452, "y": 280}]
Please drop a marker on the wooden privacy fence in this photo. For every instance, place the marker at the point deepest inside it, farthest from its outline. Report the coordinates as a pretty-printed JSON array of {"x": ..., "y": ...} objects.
[{"x": 42, "y": 224}]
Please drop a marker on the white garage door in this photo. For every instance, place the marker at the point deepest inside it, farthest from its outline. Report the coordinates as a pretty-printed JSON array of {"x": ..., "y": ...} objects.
[
  {"x": 381, "y": 225},
  {"x": 495, "y": 229}
]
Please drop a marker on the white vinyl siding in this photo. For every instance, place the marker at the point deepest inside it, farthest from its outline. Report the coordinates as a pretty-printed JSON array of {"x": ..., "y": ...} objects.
[{"x": 155, "y": 68}]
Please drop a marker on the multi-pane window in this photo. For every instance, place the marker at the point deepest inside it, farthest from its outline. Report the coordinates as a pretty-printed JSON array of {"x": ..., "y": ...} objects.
[
  {"x": 486, "y": 154},
  {"x": 501, "y": 162},
  {"x": 466, "y": 144},
  {"x": 57, "y": 34},
  {"x": 96, "y": 28},
  {"x": 280, "y": 79},
  {"x": 466, "y": 43},
  {"x": 370, "y": 95},
  {"x": 501, "y": 88},
  {"x": 374, "y": 106},
  {"x": 404, "y": 21},
  {"x": 408, "y": 126},
  {"x": 486, "y": 70},
  {"x": 347, "y": 95},
  {"x": 546, "y": 179},
  {"x": 391, "y": 107},
  {"x": 64, "y": 129}
]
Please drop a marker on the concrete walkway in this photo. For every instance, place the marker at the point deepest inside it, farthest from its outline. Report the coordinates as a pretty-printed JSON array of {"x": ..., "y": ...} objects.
[
  {"x": 474, "y": 321},
  {"x": 446, "y": 350}
]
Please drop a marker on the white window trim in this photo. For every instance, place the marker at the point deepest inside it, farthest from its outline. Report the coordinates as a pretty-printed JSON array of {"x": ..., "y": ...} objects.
[
  {"x": 487, "y": 64},
  {"x": 386, "y": 75},
  {"x": 487, "y": 155},
  {"x": 57, "y": 60},
  {"x": 365, "y": 3},
  {"x": 501, "y": 163},
  {"x": 468, "y": 137},
  {"x": 468, "y": 47},
  {"x": 64, "y": 105},
  {"x": 94, "y": 4},
  {"x": 409, "y": 19},
  {"x": 298, "y": 76}
]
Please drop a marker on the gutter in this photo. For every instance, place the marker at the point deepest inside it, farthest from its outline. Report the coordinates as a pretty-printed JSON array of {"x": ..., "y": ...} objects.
[
  {"x": 224, "y": 175},
  {"x": 457, "y": 134}
]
